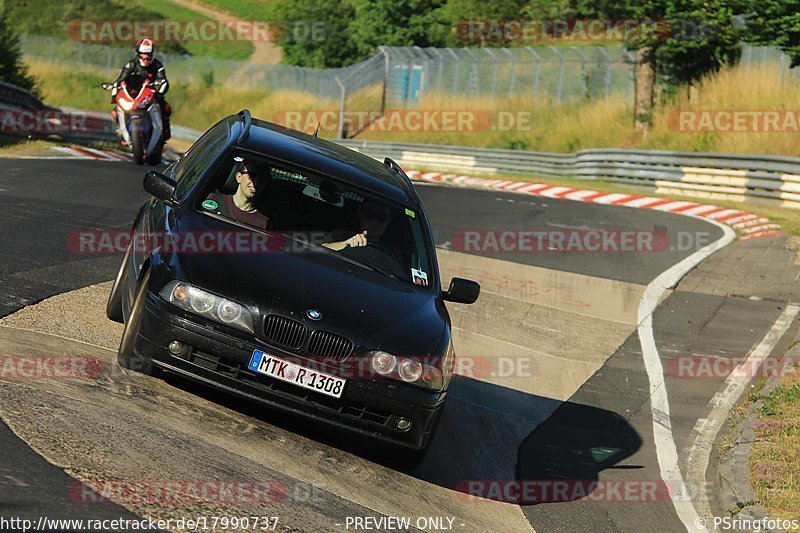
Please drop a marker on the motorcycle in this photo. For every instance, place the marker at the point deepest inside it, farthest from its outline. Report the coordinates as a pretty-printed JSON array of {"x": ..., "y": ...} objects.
[{"x": 139, "y": 118}]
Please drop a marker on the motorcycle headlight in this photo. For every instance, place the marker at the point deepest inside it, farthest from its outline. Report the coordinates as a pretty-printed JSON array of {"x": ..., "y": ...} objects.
[
  {"x": 127, "y": 105},
  {"x": 208, "y": 305}
]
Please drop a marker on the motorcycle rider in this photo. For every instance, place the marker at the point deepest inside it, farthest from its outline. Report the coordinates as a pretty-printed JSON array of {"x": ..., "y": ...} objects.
[{"x": 143, "y": 67}]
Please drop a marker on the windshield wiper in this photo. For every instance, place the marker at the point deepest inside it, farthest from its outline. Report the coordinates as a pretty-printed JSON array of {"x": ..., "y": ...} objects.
[{"x": 362, "y": 263}]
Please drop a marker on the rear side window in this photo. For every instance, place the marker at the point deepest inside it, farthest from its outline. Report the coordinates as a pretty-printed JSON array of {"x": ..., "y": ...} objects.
[{"x": 199, "y": 156}]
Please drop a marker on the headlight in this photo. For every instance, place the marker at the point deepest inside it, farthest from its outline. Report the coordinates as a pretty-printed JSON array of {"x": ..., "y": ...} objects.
[
  {"x": 208, "y": 305},
  {"x": 383, "y": 363},
  {"x": 127, "y": 105},
  {"x": 410, "y": 370}
]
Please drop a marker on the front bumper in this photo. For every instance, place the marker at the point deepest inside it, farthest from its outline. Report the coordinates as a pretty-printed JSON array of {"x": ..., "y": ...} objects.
[{"x": 368, "y": 407}]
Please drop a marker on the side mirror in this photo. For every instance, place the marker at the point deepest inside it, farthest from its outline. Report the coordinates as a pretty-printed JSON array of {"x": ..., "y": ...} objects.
[
  {"x": 160, "y": 186},
  {"x": 462, "y": 291}
]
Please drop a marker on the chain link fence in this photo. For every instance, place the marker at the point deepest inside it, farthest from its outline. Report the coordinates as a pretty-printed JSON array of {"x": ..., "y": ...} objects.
[{"x": 400, "y": 77}]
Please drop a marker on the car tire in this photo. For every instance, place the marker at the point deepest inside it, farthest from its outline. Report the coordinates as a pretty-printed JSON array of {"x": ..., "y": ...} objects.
[
  {"x": 114, "y": 305},
  {"x": 126, "y": 356}
]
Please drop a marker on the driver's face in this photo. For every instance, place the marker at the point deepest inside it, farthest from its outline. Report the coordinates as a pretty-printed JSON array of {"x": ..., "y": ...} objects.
[
  {"x": 374, "y": 219},
  {"x": 248, "y": 184}
]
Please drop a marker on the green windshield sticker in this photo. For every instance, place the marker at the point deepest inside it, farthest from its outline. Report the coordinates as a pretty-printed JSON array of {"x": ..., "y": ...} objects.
[
  {"x": 210, "y": 204},
  {"x": 411, "y": 213}
]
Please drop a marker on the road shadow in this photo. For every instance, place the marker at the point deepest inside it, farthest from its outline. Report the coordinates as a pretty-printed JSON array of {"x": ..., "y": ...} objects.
[{"x": 487, "y": 432}]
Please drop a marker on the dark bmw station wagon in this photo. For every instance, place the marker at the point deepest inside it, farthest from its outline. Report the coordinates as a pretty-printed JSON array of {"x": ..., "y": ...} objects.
[{"x": 296, "y": 273}]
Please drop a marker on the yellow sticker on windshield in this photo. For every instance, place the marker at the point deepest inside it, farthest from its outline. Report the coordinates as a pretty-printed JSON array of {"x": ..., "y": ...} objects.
[{"x": 411, "y": 213}]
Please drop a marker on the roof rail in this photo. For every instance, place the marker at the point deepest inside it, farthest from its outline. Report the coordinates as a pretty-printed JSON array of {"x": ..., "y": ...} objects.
[
  {"x": 244, "y": 115},
  {"x": 389, "y": 162}
]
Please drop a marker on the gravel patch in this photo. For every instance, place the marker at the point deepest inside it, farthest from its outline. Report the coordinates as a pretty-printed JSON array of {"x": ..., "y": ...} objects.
[{"x": 78, "y": 315}]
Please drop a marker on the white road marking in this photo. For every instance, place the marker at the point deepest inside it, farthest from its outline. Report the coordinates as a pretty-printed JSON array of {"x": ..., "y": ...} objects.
[
  {"x": 707, "y": 429},
  {"x": 666, "y": 450}
]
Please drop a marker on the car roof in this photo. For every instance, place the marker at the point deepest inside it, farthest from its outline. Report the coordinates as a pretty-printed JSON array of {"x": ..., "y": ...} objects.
[{"x": 327, "y": 158}]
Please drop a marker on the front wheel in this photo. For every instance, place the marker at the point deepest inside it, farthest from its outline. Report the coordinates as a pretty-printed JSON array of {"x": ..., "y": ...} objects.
[
  {"x": 137, "y": 142},
  {"x": 155, "y": 158},
  {"x": 126, "y": 356},
  {"x": 114, "y": 305}
]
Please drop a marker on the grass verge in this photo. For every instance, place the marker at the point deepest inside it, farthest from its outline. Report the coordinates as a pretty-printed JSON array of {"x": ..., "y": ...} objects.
[{"x": 776, "y": 451}]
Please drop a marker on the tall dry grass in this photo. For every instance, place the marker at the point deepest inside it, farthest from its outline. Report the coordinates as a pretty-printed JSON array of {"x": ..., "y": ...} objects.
[{"x": 552, "y": 126}]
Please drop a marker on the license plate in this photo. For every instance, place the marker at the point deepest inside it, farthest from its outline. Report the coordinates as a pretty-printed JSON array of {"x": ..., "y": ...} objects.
[{"x": 289, "y": 372}]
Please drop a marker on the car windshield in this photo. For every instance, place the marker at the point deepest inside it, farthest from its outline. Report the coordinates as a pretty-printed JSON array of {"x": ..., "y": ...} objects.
[{"x": 321, "y": 214}]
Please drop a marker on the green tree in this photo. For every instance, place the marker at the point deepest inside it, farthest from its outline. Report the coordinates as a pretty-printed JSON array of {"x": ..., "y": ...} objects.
[
  {"x": 316, "y": 32},
  {"x": 694, "y": 38},
  {"x": 12, "y": 68},
  {"x": 775, "y": 23},
  {"x": 396, "y": 23}
]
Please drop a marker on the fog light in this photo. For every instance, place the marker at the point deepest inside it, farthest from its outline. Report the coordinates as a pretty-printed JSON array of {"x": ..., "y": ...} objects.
[
  {"x": 176, "y": 347},
  {"x": 403, "y": 424}
]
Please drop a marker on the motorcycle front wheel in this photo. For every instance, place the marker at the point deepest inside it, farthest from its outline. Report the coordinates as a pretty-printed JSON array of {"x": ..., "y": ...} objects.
[{"x": 137, "y": 142}]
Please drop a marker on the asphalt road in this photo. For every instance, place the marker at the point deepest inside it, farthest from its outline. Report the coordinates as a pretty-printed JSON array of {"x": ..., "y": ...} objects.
[{"x": 44, "y": 201}]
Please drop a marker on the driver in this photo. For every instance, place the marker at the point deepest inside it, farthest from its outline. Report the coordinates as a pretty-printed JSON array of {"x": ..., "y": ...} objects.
[
  {"x": 252, "y": 178},
  {"x": 373, "y": 219}
]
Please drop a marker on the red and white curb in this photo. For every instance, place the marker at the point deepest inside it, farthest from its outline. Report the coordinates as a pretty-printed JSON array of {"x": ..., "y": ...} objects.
[
  {"x": 752, "y": 226},
  {"x": 81, "y": 152}
]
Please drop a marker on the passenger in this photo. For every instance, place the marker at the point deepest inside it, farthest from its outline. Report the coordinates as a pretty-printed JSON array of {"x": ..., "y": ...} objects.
[{"x": 252, "y": 178}]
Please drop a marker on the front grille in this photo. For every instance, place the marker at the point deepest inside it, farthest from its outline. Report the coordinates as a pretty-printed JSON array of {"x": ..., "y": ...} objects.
[
  {"x": 284, "y": 331},
  {"x": 329, "y": 345}
]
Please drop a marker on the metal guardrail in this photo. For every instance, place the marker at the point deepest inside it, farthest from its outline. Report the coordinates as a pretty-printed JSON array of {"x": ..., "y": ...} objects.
[
  {"x": 15, "y": 97},
  {"x": 765, "y": 179},
  {"x": 25, "y": 115},
  {"x": 747, "y": 178}
]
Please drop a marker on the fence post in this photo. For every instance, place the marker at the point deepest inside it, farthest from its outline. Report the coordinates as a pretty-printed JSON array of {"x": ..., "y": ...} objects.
[
  {"x": 385, "y": 90},
  {"x": 536, "y": 71},
  {"x": 609, "y": 63},
  {"x": 632, "y": 78},
  {"x": 494, "y": 69},
  {"x": 340, "y": 134},
  {"x": 513, "y": 71},
  {"x": 584, "y": 74},
  {"x": 782, "y": 67},
  {"x": 560, "y": 88},
  {"x": 455, "y": 71},
  {"x": 440, "y": 66}
]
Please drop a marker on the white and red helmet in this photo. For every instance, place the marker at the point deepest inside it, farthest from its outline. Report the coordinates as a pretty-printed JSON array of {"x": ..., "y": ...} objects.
[{"x": 145, "y": 51}]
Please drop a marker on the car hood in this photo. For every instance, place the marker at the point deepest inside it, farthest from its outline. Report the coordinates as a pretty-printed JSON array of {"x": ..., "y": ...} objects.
[{"x": 370, "y": 308}]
